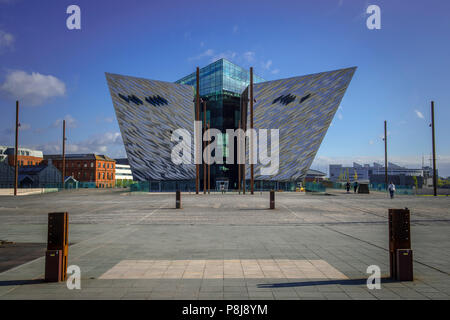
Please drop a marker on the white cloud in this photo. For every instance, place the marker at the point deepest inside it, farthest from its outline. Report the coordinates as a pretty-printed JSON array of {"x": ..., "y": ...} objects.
[
  {"x": 25, "y": 126},
  {"x": 275, "y": 71},
  {"x": 419, "y": 114},
  {"x": 100, "y": 143},
  {"x": 12, "y": 131},
  {"x": 382, "y": 135},
  {"x": 210, "y": 53},
  {"x": 244, "y": 58},
  {"x": 105, "y": 119},
  {"x": 267, "y": 65},
  {"x": 229, "y": 55},
  {"x": 71, "y": 122},
  {"x": 206, "y": 53},
  {"x": 32, "y": 89},
  {"x": 249, "y": 56},
  {"x": 6, "y": 40}
]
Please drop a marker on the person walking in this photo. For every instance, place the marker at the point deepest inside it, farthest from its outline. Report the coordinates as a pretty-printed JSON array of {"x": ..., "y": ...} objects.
[
  {"x": 347, "y": 186},
  {"x": 355, "y": 186},
  {"x": 391, "y": 189}
]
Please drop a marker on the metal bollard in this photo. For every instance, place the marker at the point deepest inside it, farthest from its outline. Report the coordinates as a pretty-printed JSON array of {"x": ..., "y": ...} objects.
[
  {"x": 57, "y": 247},
  {"x": 178, "y": 200},
  {"x": 400, "y": 253},
  {"x": 272, "y": 199}
]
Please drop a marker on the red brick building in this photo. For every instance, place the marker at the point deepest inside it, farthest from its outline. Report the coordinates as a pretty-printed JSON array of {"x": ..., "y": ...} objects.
[
  {"x": 25, "y": 157},
  {"x": 98, "y": 169}
]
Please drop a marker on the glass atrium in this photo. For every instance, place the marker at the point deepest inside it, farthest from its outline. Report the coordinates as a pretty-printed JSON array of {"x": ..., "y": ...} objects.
[{"x": 221, "y": 86}]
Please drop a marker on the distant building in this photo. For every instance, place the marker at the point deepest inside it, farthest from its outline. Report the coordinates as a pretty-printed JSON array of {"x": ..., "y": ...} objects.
[
  {"x": 123, "y": 170},
  {"x": 97, "y": 169},
  {"x": 394, "y": 169},
  {"x": 6, "y": 175},
  {"x": 314, "y": 176},
  {"x": 40, "y": 176},
  {"x": 398, "y": 180},
  {"x": 428, "y": 176},
  {"x": 376, "y": 174},
  {"x": 340, "y": 173},
  {"x": 70, "y": 183},
  {"x": 25, "y": 157},
  {"x": 3, "y": 155}
]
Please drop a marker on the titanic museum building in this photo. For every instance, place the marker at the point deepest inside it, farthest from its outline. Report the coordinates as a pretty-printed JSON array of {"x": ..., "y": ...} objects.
[{"x": 149, "y": 111}]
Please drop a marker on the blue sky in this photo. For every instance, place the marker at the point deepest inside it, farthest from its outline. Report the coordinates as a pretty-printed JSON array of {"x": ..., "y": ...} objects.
[{"x": 59, "y": 73}]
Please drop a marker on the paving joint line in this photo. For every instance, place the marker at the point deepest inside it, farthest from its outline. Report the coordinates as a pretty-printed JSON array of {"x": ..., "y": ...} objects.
[{"x": 377, "y": 246}]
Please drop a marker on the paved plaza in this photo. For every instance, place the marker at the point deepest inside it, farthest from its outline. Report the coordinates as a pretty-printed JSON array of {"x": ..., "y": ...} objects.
[{"x": 137, "y": 246}]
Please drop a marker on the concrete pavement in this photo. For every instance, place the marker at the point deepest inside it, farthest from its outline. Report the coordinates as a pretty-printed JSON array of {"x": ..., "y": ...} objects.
[{"x": 137, "y": 246}]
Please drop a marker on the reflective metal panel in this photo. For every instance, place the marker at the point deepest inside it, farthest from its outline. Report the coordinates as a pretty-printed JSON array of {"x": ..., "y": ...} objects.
[
  {"x": 302, "y": 108},
  {"x": 148, "y": 111}
]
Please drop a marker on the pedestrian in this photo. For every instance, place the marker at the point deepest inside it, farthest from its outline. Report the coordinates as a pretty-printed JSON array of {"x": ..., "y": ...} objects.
[
  {"x": 347, "y": 186},
  {"x": 391, "y": 189},
  {"x": 355, "y": 186}
]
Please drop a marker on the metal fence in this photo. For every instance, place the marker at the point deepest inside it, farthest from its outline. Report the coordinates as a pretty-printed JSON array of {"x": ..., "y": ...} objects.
[
  {"x": 405, "y": 190},
  {"x": 314, "y": 187},
  {"x": 189, "y": 186},
  {"x": 381, "y": 187},
  {"x": 162, "y": 186}
]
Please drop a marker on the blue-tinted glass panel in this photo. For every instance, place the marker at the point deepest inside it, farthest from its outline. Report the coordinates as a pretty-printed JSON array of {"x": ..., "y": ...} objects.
[{"x": 219, "y": 77}]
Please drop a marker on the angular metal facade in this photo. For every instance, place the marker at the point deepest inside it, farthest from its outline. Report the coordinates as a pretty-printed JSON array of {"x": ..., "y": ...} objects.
[
  {"x": 148, "y": 111},
  {"x": 302, "y": 108}
]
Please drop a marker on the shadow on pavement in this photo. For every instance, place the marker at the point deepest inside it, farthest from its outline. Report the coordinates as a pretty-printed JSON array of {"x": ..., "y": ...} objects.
[
  {"x": 20, "y": 282},
  {"x": 349, "y": 282}
]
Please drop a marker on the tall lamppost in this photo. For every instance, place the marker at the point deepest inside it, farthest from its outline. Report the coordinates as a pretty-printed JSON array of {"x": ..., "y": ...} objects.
[
  {"x": 434, "y": 150},
  {"x": 64, "y": 154},
  {"x": 16, "y": 151},
  {"x": 252, "y": 166},
  {"x": 197, "y": 118},
  {"x": 385, "y": 156},
  {"x": 204, "y": 147}
]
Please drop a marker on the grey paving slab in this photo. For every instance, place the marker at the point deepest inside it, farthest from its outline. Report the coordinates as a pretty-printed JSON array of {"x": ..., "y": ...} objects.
[{"x": 348, "y": 232}]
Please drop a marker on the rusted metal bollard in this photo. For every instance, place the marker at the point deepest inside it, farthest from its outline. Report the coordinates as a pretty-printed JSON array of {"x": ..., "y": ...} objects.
[
  {"x": 178, "y": 200},
  {"x": 57, "y": 247},
  {"x": 272, "y": 199},
  {"x": 400, "y": 253}
]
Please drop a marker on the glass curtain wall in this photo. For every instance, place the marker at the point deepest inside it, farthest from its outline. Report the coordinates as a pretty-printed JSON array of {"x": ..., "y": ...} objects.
[{"x": 221, "y": 86}]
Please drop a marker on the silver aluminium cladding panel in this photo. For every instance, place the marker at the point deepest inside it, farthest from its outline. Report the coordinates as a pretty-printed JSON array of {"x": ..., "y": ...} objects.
[
  {"x": 148, "y": 111},
  {"x": 302, "y": 108}
]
